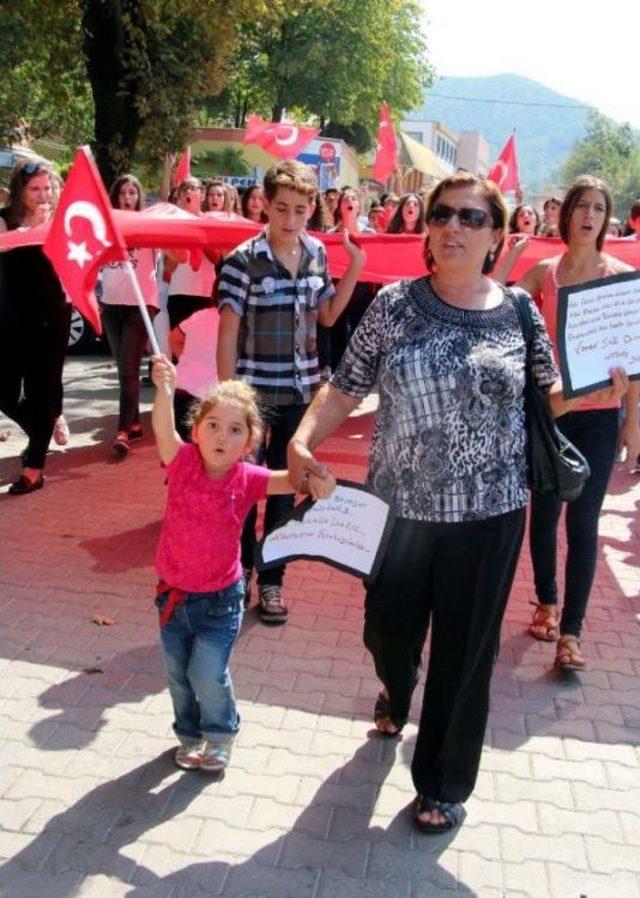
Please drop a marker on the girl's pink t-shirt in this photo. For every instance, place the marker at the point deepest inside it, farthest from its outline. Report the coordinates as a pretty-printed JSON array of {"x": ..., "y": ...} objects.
[{"x": 199, "y": 546}]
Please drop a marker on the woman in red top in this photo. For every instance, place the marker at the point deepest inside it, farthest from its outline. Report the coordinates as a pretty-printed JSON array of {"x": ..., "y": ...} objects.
[{"x": 594, "y": 429}]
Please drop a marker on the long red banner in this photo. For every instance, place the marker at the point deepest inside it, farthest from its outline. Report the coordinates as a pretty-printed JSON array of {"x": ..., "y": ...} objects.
[{"x": 390, "y": 257}]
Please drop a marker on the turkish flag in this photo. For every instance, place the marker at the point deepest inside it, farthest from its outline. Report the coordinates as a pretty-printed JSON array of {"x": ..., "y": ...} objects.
[
  {"x": 387, "y": 148},
  {"x": 183, "y": 168},
  {"x": 278, "y": 138},
  {"x": 504, "y": 173},
  {"x": 81, "y": 234}
]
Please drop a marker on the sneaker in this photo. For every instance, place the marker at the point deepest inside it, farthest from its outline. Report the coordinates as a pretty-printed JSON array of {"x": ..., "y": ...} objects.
[
  {"x": 136, "y": 433},
  {"x": 215, "y": 756},
  {"x": 246, "y": 583},
  {"x": 272, "y": 610},
  {"x": 188, "y": 754},
  {"x": 61, "y": 431}
]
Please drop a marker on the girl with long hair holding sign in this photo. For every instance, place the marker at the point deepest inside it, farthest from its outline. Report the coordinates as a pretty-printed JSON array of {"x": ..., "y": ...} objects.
[{"x": 594, "y": 429}]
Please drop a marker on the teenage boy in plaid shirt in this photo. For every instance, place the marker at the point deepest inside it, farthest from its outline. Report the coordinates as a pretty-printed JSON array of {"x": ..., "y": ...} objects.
[{"x": 272, "y": 291}]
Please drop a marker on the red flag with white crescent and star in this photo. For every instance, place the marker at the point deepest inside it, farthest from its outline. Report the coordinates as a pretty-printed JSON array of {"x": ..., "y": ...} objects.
[
  {"x": 82, "y": 233},
  {"x": 387, "y": 148},
  {"x": 281, "y": 139},
  {"x": 504, "y": 173},
  {"x": 183, "y": 168}
]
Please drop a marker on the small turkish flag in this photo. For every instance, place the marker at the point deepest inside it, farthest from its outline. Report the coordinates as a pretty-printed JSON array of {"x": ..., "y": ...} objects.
[
  {"x": 504, "y": 173},
  {"x": 183, "y": 168},
  {"x": 387, "y": 149},
  {"x": 278, "y": 138},
  {"x": 83, "y": 235}
]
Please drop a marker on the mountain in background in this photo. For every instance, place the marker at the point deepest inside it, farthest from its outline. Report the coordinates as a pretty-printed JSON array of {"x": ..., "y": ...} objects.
[{"x": 545, "y": 133}]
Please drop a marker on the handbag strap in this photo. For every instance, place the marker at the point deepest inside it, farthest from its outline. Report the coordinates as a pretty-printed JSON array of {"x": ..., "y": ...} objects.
[
  {"x": 521, "y": 302},
  {"x": 523, "y": 308}
]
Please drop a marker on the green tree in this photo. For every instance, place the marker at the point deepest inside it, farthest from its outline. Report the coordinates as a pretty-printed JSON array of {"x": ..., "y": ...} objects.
[
  {"x": 138, "y": 67},
  {"x": 336, "y": 60},
  {"x": 220, "y": 162},
  {"x": 44, "y": 89},
  {"x": 609, "y": 151}
]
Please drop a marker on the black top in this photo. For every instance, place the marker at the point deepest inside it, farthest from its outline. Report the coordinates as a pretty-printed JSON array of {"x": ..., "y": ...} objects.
[{"x": 29, "y": 288}]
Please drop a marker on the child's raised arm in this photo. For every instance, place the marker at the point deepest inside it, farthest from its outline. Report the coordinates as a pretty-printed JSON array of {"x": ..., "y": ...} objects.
[
  {"x": 162, "y": 416},
  {"x": 317, "y": 487}
]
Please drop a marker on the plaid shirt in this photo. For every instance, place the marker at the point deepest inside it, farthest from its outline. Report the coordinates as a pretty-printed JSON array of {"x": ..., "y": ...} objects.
[{"x": 277, "y": 350}]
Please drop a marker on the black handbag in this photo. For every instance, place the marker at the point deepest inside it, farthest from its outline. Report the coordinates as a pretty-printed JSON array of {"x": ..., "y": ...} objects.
[{"x": 554, "y": 465}]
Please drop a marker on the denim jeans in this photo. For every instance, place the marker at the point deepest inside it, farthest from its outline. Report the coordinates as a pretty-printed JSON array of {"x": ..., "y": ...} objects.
[
  {"x": 127, "y": 338},
  {"x": 595, "y": 434},
  {"x": 197, "y": 643}
]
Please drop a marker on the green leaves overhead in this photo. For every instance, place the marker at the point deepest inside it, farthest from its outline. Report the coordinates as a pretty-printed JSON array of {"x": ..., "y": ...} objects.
[
  {"x": 336, "y": 60},
  {"x": 132, "y": 76},
  {"x": 612, "y": 152}
]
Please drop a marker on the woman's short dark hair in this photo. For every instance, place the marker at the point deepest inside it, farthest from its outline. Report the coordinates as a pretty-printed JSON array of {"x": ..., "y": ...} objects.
[
  {"x": 571, "y": 199},
  {"x": 114, "y": 191},
  {"x": 396, "y": 224},
  {"x": 22, "y": 173},
  {"x": 491, "y": 195},
  {"x": 513, "y": 218}
]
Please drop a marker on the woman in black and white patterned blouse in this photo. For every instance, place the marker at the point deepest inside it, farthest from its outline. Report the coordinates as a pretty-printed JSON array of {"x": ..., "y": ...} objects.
[{"x": 447, "y": 355}]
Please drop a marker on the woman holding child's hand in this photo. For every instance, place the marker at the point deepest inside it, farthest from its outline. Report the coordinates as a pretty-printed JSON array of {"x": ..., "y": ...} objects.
[{"x": 446, "y": 354}]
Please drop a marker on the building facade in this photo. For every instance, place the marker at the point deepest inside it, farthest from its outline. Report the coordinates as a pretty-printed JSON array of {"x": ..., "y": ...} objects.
[{"x": 468, "y": 150}]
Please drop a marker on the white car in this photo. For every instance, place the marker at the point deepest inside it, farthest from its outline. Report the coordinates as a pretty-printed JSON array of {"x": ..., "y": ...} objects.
[{"x": 82, "y": 337}]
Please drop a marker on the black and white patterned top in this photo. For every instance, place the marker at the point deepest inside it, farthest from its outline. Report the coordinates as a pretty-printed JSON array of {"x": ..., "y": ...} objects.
[{"x": 449, "y": 440}]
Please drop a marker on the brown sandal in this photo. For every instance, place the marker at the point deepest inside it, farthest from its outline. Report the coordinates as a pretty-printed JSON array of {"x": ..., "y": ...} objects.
[
  {"x": 568, "y": 654},
  {"x": 544, "y": 624}
]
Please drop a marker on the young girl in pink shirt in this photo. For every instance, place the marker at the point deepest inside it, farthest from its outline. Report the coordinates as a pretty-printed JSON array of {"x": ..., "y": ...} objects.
[{"x": 200, "y": 591}]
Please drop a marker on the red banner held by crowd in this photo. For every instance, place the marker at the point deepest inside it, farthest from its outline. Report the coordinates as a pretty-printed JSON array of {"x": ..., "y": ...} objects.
[
  {"x": 504, "y": 173},
  {"x": 390, "y": 257},
  {"x": 387, "y": 148},
  {"x": 81, "y": 232},
  {"x": 278, "y": 138}
]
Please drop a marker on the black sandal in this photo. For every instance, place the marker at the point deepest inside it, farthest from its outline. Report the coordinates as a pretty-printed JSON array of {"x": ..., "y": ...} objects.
[
  {"x": 452, "y": 811},
  {"x": 382, "y": 711}
]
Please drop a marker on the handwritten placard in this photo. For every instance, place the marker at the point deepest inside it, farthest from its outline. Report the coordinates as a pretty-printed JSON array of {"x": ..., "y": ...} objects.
[
  {"x": 349, "y": 531},
  {"x": 598, "y": 329}
]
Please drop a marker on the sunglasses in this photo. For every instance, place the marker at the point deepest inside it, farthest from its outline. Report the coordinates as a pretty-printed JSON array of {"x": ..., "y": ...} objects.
[
  {"x": 32, "y": 167},
  {"x": 468, "y": 217}
]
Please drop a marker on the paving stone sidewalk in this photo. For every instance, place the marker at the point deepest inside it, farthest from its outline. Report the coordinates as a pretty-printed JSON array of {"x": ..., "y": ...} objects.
[{"x": 314, "y": 805}]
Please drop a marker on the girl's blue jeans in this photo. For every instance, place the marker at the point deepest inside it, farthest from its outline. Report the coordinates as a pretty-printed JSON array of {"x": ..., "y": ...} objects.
[{"x": 197, "y": 643}]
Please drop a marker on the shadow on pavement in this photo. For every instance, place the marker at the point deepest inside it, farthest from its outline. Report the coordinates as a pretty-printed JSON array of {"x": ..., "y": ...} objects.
[{"x": 332, "y": 840}]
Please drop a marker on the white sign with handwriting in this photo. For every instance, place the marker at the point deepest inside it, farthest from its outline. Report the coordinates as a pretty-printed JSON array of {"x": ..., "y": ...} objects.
[
  {"x": 598, "y": 329},
  {"x": 348, "y": 530}
]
